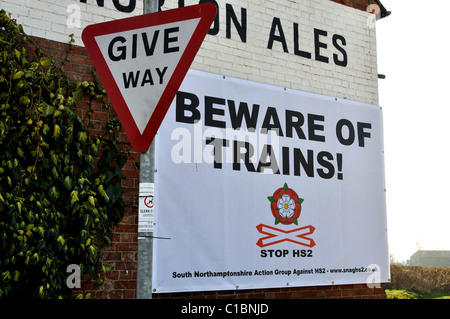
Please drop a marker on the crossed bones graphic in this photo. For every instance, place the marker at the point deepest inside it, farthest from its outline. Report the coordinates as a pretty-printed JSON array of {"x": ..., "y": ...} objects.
[{"x": 275, "y": 236}]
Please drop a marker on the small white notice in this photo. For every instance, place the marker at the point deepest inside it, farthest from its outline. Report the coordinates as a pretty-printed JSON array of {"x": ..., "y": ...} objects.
[{"x": 146, "y": 207}]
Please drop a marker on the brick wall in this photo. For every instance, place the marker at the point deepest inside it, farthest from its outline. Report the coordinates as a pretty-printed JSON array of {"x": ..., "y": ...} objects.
[
  {"x": 321, "y": 292},
  {"x": 122, "y": 254}
]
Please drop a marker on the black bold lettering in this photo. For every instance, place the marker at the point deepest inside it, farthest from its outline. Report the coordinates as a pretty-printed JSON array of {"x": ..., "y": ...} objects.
[
  {"x": 271, "y": 164},
  {"x": 243, "y": 111},
  {"x": 241, "y": 28},
  {"x": 318, "y": 45},
  {"x": 300, "y": 161},
  {"x": 313, "y": 127},
  {"x": 214, "y": 30},
  {"x": 297, "y": 124},
  {"x": 160, "y": 4},
  {"x": 122, "y": 50},
  {"x": 100, "y": 3},
  {"x": 271, "y": 116},
  {"x": 131, "y": 79},
  {"x": 361, "y": 133},
  {"x": 161, "y": 74},
  {"x": 210, "y": 111},
  {"x": 286, "y": 162},
  {"x": 244, "y": 156},
  {"x": 134, "y": 46},
  {"x": 182, "y": 106},
  {"x": 168, "y": 39},
  {"x": 324, "y": 158},
  {"x": 217, "y": 144},
  {"x": 276, "y": 24},
  {"x": 147, "y": 78},
  {"x": 351, "y": 132},
  {"x": 297, "y": 51},
  {"x": 336, "y": 59},
  {"x": 150, "y": 49},
  {"x": 125, "y": 8}
]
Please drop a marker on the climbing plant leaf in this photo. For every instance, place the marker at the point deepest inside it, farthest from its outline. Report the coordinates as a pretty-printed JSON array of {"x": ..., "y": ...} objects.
[{"x": 56, "y": 204}]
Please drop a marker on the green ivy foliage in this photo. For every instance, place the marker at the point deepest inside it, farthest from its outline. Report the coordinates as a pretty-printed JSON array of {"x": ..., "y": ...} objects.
[{"x": 58, "y": 197}]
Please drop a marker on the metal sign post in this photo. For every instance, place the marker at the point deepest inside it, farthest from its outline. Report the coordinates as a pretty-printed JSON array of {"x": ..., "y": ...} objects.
[
  {"x": 142, "y": 103},
  {"x": 146, "y": 175},
  {"x": 145, "y": 238}
]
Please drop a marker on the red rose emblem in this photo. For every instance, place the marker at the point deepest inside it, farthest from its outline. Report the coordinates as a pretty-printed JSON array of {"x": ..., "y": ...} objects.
[{"x": 285, "y": 205}]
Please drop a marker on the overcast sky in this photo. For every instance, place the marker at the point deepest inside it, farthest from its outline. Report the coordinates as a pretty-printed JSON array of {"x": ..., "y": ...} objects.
[{"x": 414, "y": 54}]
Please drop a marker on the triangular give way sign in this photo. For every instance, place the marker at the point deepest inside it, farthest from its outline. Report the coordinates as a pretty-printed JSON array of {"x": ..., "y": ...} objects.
[{"x": 142, "y": 62}]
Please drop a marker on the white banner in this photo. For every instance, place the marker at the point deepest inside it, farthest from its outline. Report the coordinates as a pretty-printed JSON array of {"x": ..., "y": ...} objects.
[{"x": 260, "y": 186}]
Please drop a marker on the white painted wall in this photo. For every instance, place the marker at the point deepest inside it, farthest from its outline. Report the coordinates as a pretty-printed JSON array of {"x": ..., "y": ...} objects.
[{"x": 252, "y": 59}]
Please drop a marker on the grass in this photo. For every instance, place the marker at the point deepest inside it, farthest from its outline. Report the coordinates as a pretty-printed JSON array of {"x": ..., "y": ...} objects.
[
  {"x": 408, "y": 294},
  {"x": 414, "y": 282}
]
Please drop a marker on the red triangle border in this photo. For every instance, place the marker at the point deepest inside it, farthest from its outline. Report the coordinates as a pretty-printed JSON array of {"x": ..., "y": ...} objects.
[{"x": 205, "y": 11}]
